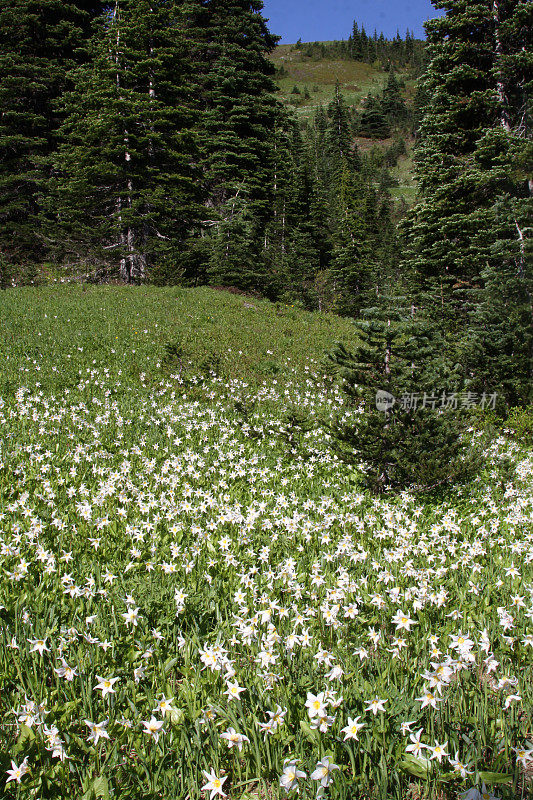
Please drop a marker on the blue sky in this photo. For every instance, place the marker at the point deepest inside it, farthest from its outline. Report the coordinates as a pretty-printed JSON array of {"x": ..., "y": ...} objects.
[{"x": 321, "y": 20}]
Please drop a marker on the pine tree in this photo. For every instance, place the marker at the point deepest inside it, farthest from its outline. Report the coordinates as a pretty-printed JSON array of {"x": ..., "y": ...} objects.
[
  {"x": 410, "y": 434},
  {"x": 320, "y": 217},
  {"x": 292, "y": 234},
  {"x": 338, "y": 139},
  {"x": 357, "y": 50},
  {"x": 365, "y": 44},
  {"x": 286, "y": 150},
  {"x": 499, "y": 346},
  {"x": 392, "y": 103},
  {"x": 409, "y": 46},
  {"x": 39, "y": 43},
  {"x": 373, "y": 123},
  {"x": 127, "y": 188},
  {"x": 353, "y": 260},
  {"x": 238, "y": 117},
  {"x": 477, "y": 116}
]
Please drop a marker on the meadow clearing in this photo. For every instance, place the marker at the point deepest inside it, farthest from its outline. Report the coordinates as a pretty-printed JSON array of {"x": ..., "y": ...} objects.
[{"x": 198, "y": 599}]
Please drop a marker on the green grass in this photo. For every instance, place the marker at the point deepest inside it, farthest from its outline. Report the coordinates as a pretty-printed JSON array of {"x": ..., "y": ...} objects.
[
  {"x": 319, "y": 77},
  {"x": 404, "y": 172},
  {"x": 180, "y": 531},
  {"x": 131, "y": 328}
]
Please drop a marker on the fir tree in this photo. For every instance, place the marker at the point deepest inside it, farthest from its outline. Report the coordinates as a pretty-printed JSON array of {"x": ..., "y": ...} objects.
[
  {"x": 373, "y": 123},
  {"x": 499, "y": 345},
  {"x": 298, "y": 246},
  {"x": 357, "y": 49},
  {"x": 322, "y": 199},
  {"x": 392, "y": 103},
  {"x": 39, "y": 43},
  {"x": 476, "y": 119},
  {"x": 411, "y": 431},
  {"x": 338, "y": 140},
  {"x": 353, "y": 254},
  {"x": 126, "y": 189},
  {"x": 239, "y": 114}
]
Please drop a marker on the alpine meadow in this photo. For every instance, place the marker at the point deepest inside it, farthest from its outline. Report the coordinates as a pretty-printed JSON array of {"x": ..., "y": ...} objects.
[{"x": 266, "y": 408}]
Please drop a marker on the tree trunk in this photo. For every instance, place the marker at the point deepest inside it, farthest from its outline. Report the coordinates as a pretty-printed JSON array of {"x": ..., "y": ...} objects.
[{"x": 500, "y": 85}]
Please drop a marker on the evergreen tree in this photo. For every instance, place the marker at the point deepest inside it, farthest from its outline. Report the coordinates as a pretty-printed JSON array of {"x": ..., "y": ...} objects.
[
  {"x": 300, "y": 219},
  {"x": 499, "y": 345},
  {"x": 360, "y": 47},
  {"x": 420, "y": 103},
  {"x": 287, "y": 145},
  {"x": 39, "y": 43},
  {"x": 353, "y": 260},
  {"x": 338, "y": 140},
  {"x": 357, "y": 48},
  {"x": 236, "y": 255},
  {"x": 410, "y": 434},
  {"x": 238, "y": 117},
  {"x": 476, "y": 119},
  {"x": 392, "y": 103},
  {"x": 409, "y": 46},
  {"x": 302, "y": 258},
  {"x": 365, "y": 44},
  {"x": 126, "y": 187},
  {"x": 351, "y": 230},
  {"x": 323, "y": 197},
  {"x": 373, "y": 123}
]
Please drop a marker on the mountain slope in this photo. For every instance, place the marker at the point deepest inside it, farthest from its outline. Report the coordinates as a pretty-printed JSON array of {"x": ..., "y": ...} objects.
[{"x": 305, "y": 83}]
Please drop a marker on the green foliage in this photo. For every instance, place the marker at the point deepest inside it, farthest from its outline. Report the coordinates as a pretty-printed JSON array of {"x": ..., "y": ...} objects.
[
  {"x": 392, "y": 103},
  {"x": 335, "y": 234},
  {"x": 354, "y": 264},
  {"x": 239, "y": 114},
  {"x": 468, "y": 235},
  {"x": 126, "y": 189},
  {"x": 416, "y": 437},
  {"x": 181, "y": 533},
  {"x": 168, "y": 159},
  {"x": 383, "y": 112},
  {"x": 360, "y": 46},
  {"x": 373, "y": 124},
  {"x": 39, "y": 44},
  {"x": 519, "y": 424}
]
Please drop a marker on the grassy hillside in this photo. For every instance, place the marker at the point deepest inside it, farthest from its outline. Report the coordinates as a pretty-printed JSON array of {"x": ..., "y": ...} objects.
[
  {"x": 52, "y": 334},
  {"x": 195, "y": 590},
  {"x": 319, "y": 78},
  {"x": 315, "y": 80}
]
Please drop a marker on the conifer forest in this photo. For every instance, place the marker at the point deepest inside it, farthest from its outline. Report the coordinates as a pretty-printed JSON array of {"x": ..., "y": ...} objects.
[{"x": 266, "y": 404}]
